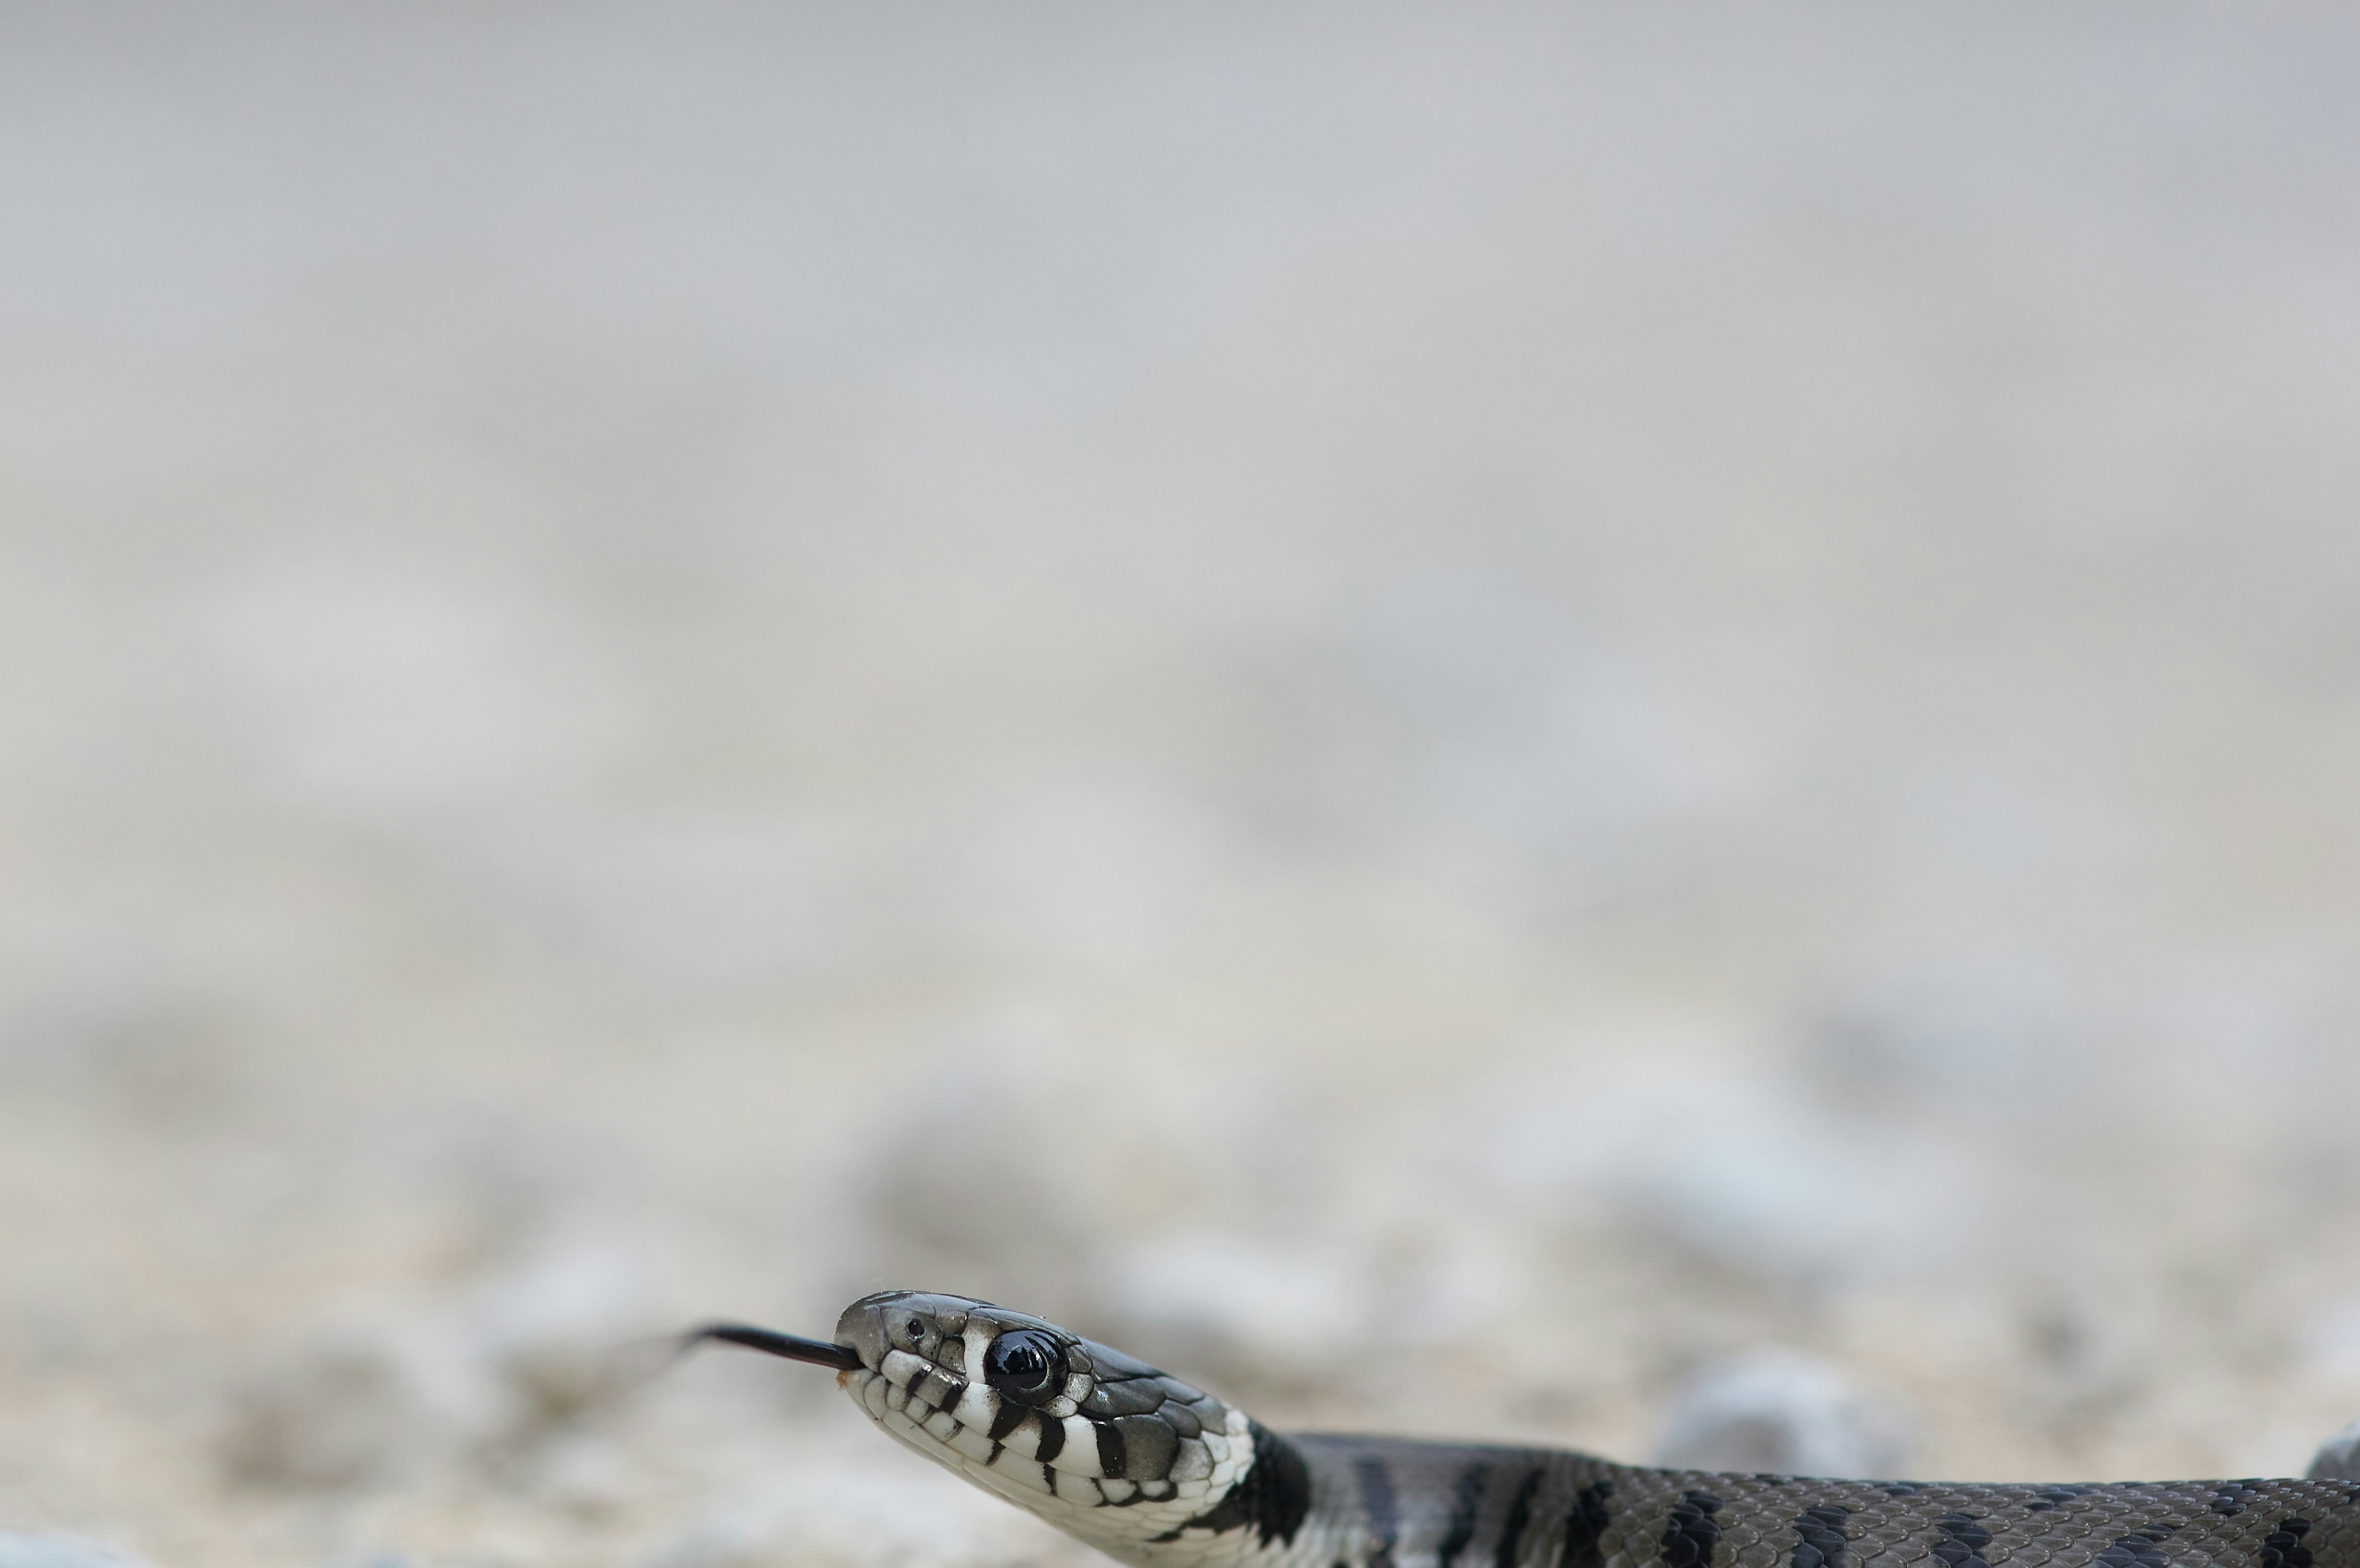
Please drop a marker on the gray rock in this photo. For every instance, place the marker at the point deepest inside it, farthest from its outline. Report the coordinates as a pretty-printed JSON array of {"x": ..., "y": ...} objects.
[
  {"x": 2338, "y": 1458},
  {"x": 1782, "y": 1412}
]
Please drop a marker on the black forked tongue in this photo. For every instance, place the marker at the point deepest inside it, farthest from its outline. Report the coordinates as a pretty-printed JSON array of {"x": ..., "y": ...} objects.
[{"x": 794, "y": 1347}]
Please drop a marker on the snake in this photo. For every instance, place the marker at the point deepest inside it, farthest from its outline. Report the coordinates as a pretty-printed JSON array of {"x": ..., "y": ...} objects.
[{"x": 1156, "y": 1473}]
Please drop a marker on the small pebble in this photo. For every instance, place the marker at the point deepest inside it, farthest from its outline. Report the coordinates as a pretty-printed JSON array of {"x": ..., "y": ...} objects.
[
  {"x": 2338, "y": 1458},
  {"x": 1782, "y": 1412}
]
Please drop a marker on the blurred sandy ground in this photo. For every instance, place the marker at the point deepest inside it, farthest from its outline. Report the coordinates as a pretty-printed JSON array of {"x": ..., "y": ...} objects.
[{"x": 1439, "y": 715}]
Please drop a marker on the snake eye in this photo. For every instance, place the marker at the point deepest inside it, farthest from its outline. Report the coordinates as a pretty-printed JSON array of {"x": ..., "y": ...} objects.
[{"x": 1025, "y": 1364}]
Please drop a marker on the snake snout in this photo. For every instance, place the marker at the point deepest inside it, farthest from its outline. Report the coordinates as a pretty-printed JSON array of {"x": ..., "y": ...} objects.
[
  {"x": 863, "y": 1329},
  {"x": 920, "y": 1323}
]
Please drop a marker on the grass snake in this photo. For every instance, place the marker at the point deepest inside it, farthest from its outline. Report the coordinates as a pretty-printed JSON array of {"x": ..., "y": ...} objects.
[{"x": 1156, "y": 1473}]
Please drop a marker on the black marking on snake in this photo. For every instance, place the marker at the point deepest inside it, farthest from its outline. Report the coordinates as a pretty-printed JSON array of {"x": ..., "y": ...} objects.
[
  {"x": 2283, "y": 1547},
  {"x": 2231, "y": 1499},
  {"x": 1586, "y": 1526},
  {"x": 1281, "y": 1483},
  {"x": 1519, "y": 1520},
  {"x": 936, "y": 1392},
  {"x": 1005, "y": 1420},
  {"x": 1963, "y": 1540},
  {"x": 1464, "y": 1498},
  {"x": 1109, "y": 1448},
  {"x": 1819, "y": 1537},
  {"x": 1273, "y": 1495},
  {"x": 1385, "y": 1515},
  {"x": 1049, "y": 1478},
  {"x": 1690, "y": 1532},
  {"x": 2132, "y": 1552},
  {"x": 1052, "y": 1438}
]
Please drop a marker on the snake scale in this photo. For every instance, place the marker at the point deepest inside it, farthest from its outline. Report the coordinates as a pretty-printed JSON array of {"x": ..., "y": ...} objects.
[{"x": 1158, "y": 1473}]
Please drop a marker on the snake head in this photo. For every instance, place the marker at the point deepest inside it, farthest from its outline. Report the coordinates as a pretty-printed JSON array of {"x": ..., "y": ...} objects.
[
  {"x": 1094, "y": 1441},
  {"x": 1018, "y": 1361}
]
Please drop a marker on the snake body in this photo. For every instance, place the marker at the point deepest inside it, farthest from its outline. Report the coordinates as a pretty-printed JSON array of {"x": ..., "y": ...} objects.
[{"x": 1158, "y": 1473}]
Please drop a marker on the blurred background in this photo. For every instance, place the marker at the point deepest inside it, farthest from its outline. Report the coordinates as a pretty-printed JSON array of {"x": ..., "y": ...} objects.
[{"x": 1594, "y": 724}]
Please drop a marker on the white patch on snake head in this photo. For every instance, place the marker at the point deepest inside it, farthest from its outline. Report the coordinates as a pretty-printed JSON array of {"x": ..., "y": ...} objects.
[{"x": 1091, "y": 1440}]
